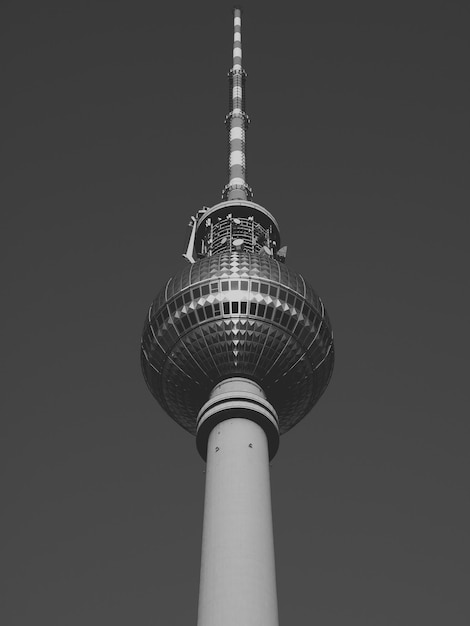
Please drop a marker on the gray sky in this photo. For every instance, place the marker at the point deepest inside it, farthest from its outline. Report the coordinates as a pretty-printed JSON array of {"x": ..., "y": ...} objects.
[{"x": 113, "y": 136}]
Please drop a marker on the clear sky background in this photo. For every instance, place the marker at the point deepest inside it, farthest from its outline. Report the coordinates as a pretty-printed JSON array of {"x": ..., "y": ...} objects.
[{"x": 113, "y": 135}]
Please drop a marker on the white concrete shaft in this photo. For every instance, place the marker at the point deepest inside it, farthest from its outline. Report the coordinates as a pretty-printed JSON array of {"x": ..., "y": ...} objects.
[{"x": 238, "y": 580}]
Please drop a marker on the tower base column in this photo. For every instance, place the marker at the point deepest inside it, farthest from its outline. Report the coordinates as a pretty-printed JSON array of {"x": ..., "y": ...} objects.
[{"x": 238, "y": 581}]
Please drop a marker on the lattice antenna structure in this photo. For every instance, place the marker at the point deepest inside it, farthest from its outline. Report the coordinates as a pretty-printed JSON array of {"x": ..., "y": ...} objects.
[{"x": 237, "y": 121}]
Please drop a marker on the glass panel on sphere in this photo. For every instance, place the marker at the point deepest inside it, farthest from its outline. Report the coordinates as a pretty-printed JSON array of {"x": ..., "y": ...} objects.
[{"x": 269, "y": 312}]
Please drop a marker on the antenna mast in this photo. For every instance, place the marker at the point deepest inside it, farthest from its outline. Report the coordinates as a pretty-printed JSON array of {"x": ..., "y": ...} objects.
[{"x": 237, "y": 121}]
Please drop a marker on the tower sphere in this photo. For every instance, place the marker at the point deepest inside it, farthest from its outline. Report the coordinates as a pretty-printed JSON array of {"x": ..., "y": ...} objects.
[{"x": 237, "y": 314}]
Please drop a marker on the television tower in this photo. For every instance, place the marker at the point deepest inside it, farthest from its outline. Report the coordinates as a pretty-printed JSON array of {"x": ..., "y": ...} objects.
[{"x": 237, "y": 348}]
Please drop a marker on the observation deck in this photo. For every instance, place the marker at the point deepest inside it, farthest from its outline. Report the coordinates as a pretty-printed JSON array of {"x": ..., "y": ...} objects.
[{"x": 237, "y": 314}]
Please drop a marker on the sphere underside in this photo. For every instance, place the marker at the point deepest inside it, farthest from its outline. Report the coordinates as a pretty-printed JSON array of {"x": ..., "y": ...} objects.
[{"x": 240, "y": 314}]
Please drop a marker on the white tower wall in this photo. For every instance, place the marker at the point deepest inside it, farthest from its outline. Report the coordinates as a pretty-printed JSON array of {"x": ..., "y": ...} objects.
[{"x": 238, "y": 581}]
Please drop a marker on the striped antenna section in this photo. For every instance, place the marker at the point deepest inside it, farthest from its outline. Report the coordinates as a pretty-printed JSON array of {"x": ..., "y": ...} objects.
[{"x": 237, "y": 121}]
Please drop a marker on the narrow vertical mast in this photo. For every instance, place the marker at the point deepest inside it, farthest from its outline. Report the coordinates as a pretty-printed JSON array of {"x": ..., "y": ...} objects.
[{"x": 237, "y": 120}]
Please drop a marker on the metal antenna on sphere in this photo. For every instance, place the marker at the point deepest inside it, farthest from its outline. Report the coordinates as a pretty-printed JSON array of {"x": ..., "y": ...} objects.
[{"x": 237, "y": 348}]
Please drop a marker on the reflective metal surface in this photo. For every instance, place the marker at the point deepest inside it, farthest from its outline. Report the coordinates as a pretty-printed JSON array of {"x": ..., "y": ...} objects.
[{"x": 237, "y": 314}]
